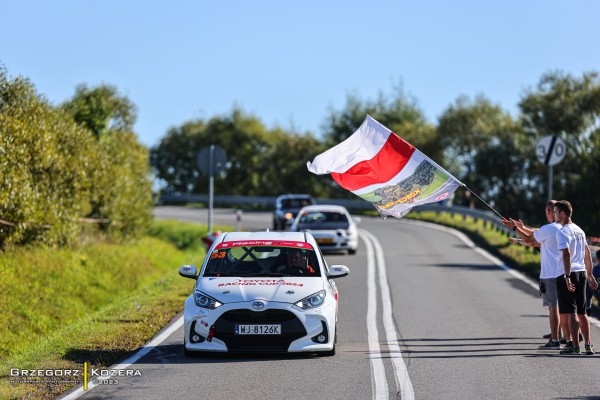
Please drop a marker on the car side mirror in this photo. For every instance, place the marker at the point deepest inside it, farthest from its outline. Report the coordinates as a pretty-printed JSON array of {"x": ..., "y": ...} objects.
[
  {"x": 338, "y": 271},
  {"x": 188, "y": 271},
  {"x": 357, "y": 219}
]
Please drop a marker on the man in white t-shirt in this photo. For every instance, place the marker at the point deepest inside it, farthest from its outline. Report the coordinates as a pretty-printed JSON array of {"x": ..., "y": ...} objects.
[
  {"x": 545, "y": 239},
  {"x": 575, "y": 265}
]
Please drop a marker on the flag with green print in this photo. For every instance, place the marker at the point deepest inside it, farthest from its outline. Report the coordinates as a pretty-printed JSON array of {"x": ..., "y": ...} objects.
[{"x": 384, "y": 169}]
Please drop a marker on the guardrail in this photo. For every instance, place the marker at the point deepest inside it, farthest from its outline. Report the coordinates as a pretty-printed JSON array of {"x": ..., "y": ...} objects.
[
  {"x": 488, "y": 217},
  {"x": 354, "y": 204}
]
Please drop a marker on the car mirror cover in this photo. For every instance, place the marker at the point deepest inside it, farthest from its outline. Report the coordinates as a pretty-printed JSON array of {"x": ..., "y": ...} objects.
[
  {"x": 338, "y": 271},
  {"x": 188, "y": 271}
]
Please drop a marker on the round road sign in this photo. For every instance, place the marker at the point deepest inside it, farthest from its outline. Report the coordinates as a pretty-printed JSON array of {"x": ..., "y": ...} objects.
[
  {"x": 550, "y": 150},
  {"x": 219, "y": 159}
]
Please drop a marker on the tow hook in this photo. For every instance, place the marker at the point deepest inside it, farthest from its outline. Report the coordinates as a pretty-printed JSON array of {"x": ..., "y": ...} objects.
[{"x": 211, "y": 333}]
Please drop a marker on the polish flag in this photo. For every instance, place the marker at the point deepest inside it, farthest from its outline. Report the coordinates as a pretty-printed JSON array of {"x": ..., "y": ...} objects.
[{"x": 384, "y": 169}]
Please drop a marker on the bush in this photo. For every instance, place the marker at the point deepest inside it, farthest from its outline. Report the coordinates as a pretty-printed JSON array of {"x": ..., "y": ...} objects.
[{"x": 56, "y": 171}]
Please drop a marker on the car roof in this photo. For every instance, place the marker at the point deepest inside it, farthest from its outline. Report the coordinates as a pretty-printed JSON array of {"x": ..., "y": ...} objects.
[
  {"x": 263, "y": 235},
  {"x": 324, "y": 207}
]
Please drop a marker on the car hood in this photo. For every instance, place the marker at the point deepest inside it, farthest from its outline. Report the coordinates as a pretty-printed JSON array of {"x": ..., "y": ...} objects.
[{"x": 285, "y": 289}]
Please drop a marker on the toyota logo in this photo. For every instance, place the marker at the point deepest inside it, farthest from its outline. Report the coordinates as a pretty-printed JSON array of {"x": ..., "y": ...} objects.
[{"x": 258, "y": 305}]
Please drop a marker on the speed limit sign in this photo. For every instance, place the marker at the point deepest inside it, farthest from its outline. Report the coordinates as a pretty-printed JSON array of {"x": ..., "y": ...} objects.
[{"x": 550, "y": 150}]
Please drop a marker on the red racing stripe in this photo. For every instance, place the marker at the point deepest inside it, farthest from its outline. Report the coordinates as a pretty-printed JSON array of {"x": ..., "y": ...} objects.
[{"x": 386, "y": 164}]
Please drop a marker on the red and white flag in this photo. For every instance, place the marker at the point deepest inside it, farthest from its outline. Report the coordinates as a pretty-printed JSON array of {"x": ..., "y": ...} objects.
[{"x": 384, "y": 169}]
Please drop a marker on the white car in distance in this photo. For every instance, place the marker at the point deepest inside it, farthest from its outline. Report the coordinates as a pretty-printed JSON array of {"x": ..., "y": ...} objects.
[
  {"x": 262, "y": 292},
  {"x": 332, "y": 226}
]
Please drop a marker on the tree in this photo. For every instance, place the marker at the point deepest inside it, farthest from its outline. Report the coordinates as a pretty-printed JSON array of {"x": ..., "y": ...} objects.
[
  {"x": 284, "y": 168},
  {"x": 260, "y": 161},
  {"x": 122, "y": 189},
  {"x": 569, "y": 107},
  {"x": 101, "y": 109},
  {"x": 488, "y": 152},
  {"x": 45, "y": 159}
]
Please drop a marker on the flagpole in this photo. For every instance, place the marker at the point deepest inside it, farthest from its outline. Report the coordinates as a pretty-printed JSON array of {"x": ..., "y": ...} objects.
[{"x": 490, "y": 207}]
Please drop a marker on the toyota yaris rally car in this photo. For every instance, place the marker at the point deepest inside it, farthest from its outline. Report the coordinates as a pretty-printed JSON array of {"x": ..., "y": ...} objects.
[{"x": 262, "y": 292}]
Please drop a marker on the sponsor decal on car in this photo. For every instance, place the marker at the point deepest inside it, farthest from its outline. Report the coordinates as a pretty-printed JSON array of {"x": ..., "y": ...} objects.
[
  {"x": 260, "y": 282},
  {"x": 279, "y": 243}
]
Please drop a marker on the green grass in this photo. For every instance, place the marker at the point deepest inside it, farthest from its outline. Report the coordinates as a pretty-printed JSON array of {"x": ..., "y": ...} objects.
[{"x": 96, "y": 303}]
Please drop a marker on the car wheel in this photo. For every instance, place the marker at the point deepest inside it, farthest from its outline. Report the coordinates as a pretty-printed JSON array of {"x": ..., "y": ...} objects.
[{"x": 351, "y": 251}]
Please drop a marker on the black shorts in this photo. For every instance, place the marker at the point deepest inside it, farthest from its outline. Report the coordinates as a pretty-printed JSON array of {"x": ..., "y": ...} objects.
[{"x": 572, "y": 302}]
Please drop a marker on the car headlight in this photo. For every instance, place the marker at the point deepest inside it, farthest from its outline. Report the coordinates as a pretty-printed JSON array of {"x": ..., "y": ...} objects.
[
  {"x": 312, "y": 301},
  {"x": 288, "y": 216},
  {"x": 204, "y": 301}
]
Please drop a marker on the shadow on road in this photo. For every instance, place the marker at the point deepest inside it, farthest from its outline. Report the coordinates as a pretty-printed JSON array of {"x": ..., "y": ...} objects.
[{"x": 173, "y": 353}]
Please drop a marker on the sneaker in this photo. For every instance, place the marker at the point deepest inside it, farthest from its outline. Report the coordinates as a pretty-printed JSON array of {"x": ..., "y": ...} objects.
[
  {"x": 589, "y": 349},
  {"x": 563, "y": 341},
  {"x": 548, "y": 336},
  {"x": 571, "y": 350},
  {"x": 552, "y": 344}
]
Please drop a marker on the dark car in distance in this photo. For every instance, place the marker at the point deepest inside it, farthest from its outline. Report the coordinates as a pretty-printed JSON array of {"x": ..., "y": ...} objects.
[{"x": 287, "y": 207}]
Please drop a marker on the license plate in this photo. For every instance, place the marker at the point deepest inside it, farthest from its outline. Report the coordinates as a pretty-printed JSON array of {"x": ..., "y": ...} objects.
[
  {"x": 325, "y": 240},
  {"x": 255, "y": 329}
]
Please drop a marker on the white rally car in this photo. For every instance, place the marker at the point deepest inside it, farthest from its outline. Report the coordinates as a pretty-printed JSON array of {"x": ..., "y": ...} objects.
[
  {"x": 332, "y": 226},
  {"x": 248, "y": 298}
]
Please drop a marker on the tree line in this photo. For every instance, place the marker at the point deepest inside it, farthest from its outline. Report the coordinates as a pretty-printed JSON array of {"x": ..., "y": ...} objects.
[
  {"x": 484, "y": 146},
  {"x": 63, "y": 166},
  {"x": 68, "y": 166}
]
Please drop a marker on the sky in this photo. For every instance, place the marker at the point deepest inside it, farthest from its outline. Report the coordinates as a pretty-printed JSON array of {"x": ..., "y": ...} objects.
[{"x": 290, "y": 63}]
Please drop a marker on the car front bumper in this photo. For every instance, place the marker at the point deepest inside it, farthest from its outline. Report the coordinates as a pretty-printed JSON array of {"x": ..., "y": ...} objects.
[{"x": 300, "y": 328}]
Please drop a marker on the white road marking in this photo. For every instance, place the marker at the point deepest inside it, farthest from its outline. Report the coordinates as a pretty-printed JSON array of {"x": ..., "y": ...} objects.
[
  {"x": 177, "y": 324},
  {"x": 403, "y": 381},
  {"x": 378, "y": 380}
]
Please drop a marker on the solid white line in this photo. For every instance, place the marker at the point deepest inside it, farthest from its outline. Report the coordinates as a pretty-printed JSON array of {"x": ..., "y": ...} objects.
[
  {"x": 133, "y": 359},
  {"x": 403, "y": 381},
  {"x": 378, "y": 380},
  {"x": 495, "y": 260}
]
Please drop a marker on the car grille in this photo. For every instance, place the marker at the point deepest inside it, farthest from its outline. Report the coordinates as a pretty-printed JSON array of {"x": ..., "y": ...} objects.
[{"x": 291, "y": 329}]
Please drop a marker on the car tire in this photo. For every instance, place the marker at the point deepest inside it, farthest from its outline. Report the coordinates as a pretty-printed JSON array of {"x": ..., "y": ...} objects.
[
  {"x": 188, "y": 353},
  {"x": 351, "y": 251}
]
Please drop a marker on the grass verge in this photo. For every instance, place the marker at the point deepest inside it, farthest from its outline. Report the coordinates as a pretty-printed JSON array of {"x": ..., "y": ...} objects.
[{"x": 94, "y": 304}]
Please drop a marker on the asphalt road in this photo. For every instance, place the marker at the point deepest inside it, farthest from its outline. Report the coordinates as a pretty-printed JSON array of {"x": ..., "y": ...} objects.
[{"x": 423, "y": 315}]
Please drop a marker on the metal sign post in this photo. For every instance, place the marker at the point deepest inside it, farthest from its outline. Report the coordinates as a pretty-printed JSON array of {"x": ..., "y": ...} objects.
[
  {"x": 550, "y": 150},
  {"x": 211, "y": 160},
  {"x": 211, "y": 186}
]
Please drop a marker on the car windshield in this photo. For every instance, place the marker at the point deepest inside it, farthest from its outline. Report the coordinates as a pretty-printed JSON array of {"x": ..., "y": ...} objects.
[
  {"x": 295, "y": 203},
  {"x": 325, "y": 219},
  {"x": 262, "y": 259}
]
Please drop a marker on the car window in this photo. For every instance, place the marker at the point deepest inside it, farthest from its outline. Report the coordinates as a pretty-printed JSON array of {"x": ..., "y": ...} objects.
[
  {"x": 295, "y": 203},
  {"x": 323, "y": 217},
  {"x": 260, "y": 261}
]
